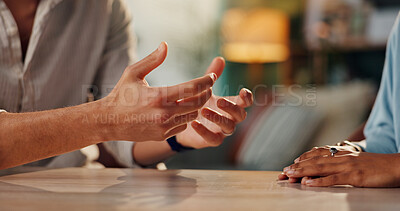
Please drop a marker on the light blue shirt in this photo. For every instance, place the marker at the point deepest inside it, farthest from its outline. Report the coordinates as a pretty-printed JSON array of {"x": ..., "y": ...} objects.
[{"x": 383, "y": 128}]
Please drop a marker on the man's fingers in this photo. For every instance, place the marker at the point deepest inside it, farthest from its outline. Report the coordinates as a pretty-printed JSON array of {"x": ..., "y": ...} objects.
[
  {"x": 175, "y": 131},
  {"x": 182, "y": 119},
  {"x": 227, "y": 125},
  {"x": 190, "y": 88},
  {"x": 193, "y": 103},
  {"x": 331, "y": 180},
  {"x": 142, "y": 68},
  {"x": 244, "y": 99},
  {"x": 237, "y": 112},
  {"x": 212, "y": 139},
  {"x": 217, "y": 66}
]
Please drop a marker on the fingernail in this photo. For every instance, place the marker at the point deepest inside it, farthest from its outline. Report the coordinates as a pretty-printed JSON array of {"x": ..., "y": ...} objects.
[
  {"x": 161, "y": 46},
  {"x": 290, "y": 172},
  {"x": 286, "y": 169},
  {"x": 297, "y": 160},
  {"x": 309, "y": 182},
  {"x": 245, "y": 93},
  {"x": 214, "y": 77},
  {"x": 195, "y": 124}
]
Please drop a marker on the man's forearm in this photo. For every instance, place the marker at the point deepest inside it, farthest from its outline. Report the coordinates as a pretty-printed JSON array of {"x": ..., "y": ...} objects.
[{"x": 27, "y": 137}]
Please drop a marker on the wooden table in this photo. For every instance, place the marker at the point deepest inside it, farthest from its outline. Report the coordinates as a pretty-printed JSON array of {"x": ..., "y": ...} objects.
[{"x": 137, "y": 189}]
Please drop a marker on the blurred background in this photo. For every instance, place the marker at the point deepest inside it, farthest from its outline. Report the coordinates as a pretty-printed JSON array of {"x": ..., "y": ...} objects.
[{"x": 314, "y": 66}]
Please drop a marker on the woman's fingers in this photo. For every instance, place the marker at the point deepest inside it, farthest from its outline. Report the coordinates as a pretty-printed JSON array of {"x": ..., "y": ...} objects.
[
  {"x": 193, "y": 103},
  {"x": 294, "y": 180},
  {"x": 282, "y": 176},
  {"x": 244, "y": 99},
  {"x": 217, "y": 66},
  {"x": 175, "y": 131},
  {"x": 227, "y": 125},
  {"x": 316, "y": 170},
  {"x": 190, "y": 88},
  {"x": 238, "y": 113},
  {"x": 331, "y": 180},
  {"x": 212, "y": 139},
  {"x": 314, "y": 152},
  {"x": 326, "y": 159}
]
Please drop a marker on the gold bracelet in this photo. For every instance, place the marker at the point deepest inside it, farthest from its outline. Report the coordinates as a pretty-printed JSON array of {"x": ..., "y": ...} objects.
[{"x": 348, "y": 143}]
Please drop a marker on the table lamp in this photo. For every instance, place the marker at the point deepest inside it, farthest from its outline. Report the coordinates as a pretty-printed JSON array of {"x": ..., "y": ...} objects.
[{"x": 255, "y": 37}]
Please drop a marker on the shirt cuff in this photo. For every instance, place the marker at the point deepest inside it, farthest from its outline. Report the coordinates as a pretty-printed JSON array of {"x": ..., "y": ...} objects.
[
  {"x": 122, "y": 152},
  {"x": 1, "y": 111},
  {"x": 361, "y": 144}
]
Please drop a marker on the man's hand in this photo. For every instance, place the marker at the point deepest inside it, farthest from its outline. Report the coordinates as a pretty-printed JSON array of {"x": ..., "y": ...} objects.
[
  {"x": 219, "y": 116},
  {"x": 137, "y": 112},
  {"x": 319, "y": 169}
]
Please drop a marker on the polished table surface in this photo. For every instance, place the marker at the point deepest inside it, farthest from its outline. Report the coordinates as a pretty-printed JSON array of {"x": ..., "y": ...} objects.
[{"x": 137, "y": 189}]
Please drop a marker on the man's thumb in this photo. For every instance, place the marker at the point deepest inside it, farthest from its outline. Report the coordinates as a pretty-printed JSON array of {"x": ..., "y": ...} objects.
[{"x": 151, "y": 62}]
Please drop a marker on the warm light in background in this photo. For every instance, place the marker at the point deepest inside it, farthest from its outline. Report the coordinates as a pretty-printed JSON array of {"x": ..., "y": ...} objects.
[{"x": 255, "y": 36}]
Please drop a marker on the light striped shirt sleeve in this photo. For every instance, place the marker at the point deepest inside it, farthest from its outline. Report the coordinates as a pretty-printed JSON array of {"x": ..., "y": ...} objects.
[{"x": 118, "y": 54}]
